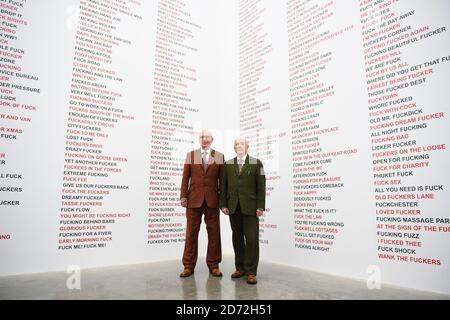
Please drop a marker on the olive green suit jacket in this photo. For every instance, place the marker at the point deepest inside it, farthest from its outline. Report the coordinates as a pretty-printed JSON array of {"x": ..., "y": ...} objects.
[{"x": 248, "y": 188}]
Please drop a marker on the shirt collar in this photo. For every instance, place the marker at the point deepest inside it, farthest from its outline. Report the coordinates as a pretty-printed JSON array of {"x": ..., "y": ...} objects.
[{"x": 243, "y": 158}]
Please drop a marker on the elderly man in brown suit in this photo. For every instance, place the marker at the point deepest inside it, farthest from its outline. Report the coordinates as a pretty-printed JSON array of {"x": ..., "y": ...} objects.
[{"x": 200, "y": 195}]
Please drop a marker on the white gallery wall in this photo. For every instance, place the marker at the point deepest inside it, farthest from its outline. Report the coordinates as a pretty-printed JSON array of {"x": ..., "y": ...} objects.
[
  {"x": 92, "y": 152},
  {"x": 345, "y": 104}
]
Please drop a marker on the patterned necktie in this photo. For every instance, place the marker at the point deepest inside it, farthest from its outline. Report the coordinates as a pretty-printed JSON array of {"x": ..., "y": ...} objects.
[
  {"x": 240, "y": 164},
  {"x": 205, "y": 160}
]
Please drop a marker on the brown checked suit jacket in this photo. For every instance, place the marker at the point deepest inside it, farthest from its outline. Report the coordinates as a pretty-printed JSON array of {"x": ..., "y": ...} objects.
[{"x": 197, "y": 184}]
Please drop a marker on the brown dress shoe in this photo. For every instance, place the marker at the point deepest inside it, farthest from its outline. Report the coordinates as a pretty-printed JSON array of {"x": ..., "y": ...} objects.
[
  {"x": 251, "y": 279},
  {"x": 186, "y": 273},
  {"x": 215, "y": 272},
  {"x": 237, "y": 274}
]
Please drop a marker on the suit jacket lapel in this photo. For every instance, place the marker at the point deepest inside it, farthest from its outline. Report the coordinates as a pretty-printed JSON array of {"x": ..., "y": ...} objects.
[
  {"x": 236, "y": 167},
  {"x": 198, "y": 157}
]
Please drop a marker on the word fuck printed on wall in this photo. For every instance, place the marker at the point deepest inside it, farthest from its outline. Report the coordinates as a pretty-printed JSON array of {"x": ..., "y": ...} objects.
[
  {"x": 257, "y": 86},
  {"x": 399, "y": 77},
  {"x": 175, "y": 76},
  {"x": 95, "y": 112},
  {"x": 403, "y": 64},
  {"x": 116, "y": 112},
  {"x": 312, "y": 50},
  {"x": 19, "y": 86},
  {"x": 359, "y": 101}
]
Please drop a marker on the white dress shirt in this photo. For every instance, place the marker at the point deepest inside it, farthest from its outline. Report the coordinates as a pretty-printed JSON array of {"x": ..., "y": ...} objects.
[{"x": 243, "y": 158}]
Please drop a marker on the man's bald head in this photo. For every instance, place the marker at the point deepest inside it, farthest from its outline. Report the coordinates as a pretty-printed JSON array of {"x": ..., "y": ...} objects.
[
  {"x": 205, "y": 138},
  {"x": 241, "y": 146}
]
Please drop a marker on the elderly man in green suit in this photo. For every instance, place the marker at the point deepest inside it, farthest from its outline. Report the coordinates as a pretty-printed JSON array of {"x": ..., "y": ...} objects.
[{"x": 242, "y": 197}]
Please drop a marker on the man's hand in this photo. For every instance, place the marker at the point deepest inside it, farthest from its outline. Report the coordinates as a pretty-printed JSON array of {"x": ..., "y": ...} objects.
[
  {"x": 183, "y": 202},
  {"x": 226, "y": 211},
  {"x": 259, "y": 212}
]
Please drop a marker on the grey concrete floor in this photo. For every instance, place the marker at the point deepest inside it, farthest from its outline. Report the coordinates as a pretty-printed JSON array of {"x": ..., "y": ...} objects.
[{"x": 160, "y": 281}]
